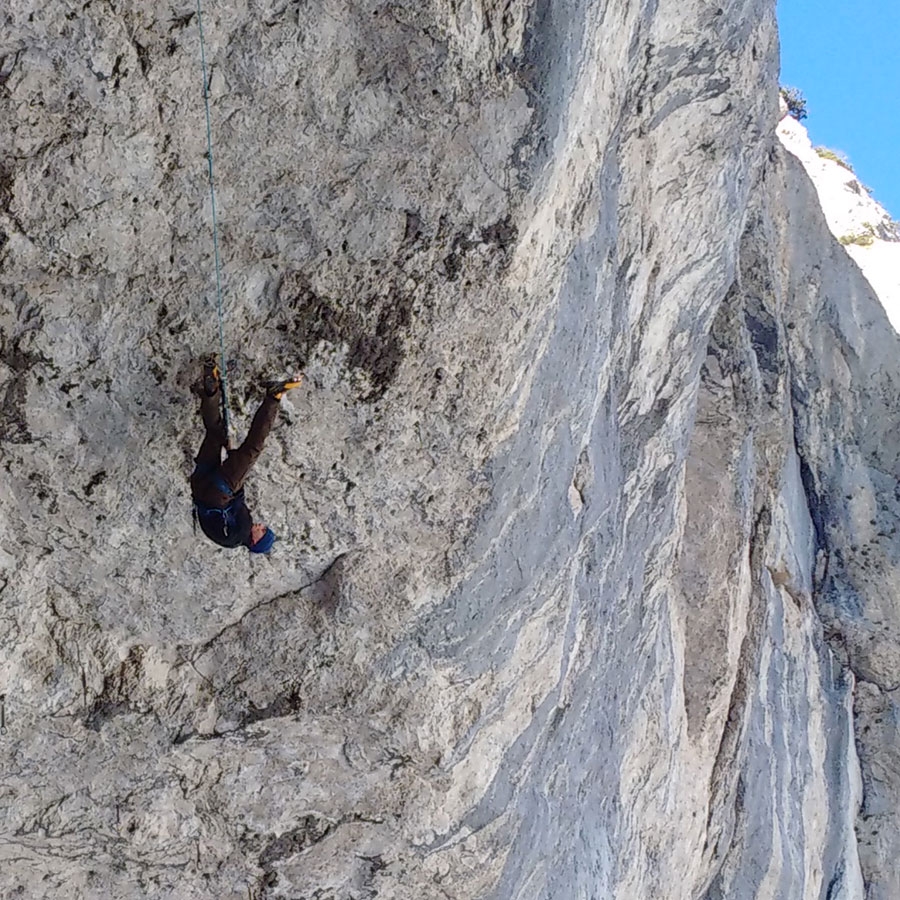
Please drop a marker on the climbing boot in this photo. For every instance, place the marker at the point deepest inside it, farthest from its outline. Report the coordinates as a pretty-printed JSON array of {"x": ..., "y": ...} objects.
[
  {"x": 210, "y": 382},
  {"x": 276, "y": 389}
]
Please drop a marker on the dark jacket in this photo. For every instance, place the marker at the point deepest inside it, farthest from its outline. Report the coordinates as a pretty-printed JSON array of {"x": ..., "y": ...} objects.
[{"x": 224, "y": 517}]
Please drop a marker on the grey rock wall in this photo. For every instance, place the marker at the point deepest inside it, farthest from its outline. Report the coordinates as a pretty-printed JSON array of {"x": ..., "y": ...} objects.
[
  {"x": 587, "y": 579},
  {"x": 846, "y": 426}
]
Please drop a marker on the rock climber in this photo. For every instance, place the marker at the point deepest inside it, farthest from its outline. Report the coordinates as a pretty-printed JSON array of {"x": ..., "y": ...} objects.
[{"x": 217, "y": 486}]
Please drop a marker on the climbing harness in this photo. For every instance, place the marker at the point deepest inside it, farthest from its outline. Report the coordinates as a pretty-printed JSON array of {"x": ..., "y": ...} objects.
[
  {"x": 226, "y": 525},
  {"x": 215, "y": 230}
]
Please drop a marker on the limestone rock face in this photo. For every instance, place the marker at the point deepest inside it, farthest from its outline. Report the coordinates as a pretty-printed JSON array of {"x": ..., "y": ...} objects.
[
  {"x": 854, "y": 217},
  {"x": 588, "y": 580}
]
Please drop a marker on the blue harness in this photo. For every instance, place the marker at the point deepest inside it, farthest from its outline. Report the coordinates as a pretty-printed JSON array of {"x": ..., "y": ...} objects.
[{"x": 226, "y": 525}]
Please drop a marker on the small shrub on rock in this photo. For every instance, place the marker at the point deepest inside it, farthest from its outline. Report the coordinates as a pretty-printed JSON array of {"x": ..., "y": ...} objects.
[
  {"x": 835, "y": 156},
  {"x": 863, "y": 238},
  {"x": 796, "y": 102}
]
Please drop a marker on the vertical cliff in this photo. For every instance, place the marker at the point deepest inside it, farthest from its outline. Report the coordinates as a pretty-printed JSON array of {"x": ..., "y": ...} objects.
[
  {"x": 588, "y": 579},
  {"x": 845, "y": 391}
]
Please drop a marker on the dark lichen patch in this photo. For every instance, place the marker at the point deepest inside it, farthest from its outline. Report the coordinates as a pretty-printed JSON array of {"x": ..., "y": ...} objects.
[
  {"x": 96, "y": 479},
  {"x": 380, "y": 354},
  {"x": 310, "y": 831},
  {"x": 41, "y": 491},
  {"x": 13, "y": 406},
  {"x": 6, "y": 188},
  {"x": 120, "y": 689},
  {"x": 13, "y": 421},
  {"x": 453, "y": 261},
  {"x": 179, "y": 23},
  {"x": 287, "y": 703},
  {"x": 143, "y": 55},
  {"x": 373, "y": 316},
  {"x": 499, "y": 237},
  {"x": 414, "y": 229},
  {"x": 373, "y": 330},
  {"x": 314, "y": 318},
  {"x": 501, "y": 234},
  {"x": 7, "y": 65},
  {"x": 103, "y": 710},
  {"x": 19, "y": 360}
]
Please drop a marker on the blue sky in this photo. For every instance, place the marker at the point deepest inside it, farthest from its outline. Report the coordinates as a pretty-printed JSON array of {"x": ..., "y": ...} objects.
[{"x": 845, "y": 58}]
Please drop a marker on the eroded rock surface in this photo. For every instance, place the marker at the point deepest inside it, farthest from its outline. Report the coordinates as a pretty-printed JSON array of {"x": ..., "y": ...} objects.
[{"x": 588, "y": 579}]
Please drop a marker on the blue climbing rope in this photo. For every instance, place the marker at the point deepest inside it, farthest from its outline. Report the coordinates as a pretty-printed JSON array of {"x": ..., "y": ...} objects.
[{"x": 215, "y": 227}]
